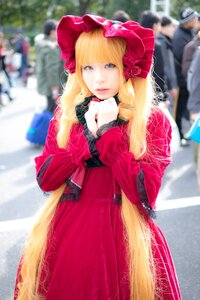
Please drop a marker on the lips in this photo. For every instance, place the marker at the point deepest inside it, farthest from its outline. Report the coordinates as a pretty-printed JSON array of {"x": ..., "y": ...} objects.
[{"x": 102, "y": 90}]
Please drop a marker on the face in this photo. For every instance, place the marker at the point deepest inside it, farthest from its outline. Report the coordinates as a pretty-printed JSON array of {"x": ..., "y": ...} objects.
[
  {"x": 156, "y": 28},
  {"x": 168, "y": 30},
  {"x": 192, "y": 23},
  {"x": 102, "y": 79}
]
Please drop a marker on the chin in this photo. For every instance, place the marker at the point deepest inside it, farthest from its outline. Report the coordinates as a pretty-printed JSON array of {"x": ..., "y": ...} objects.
[{"x": 104, "y": 97}]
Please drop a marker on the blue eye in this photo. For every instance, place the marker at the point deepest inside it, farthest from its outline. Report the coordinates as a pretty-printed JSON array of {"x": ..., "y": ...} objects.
[
  {"x": 87, "y": 68},
  {"x": 110, "y": 66}
]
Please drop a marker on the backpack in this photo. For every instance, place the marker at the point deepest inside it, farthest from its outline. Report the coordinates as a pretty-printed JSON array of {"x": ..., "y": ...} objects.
[{"x": 38, "y": 128}]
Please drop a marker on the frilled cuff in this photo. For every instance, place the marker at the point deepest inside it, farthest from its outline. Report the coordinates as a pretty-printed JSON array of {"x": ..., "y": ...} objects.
[
  {"x": 104, "y": 128},
  {"x": 91, "y": 142},
  {"x": 43, "y": 169},
  {"x": 111, "y": 145}
]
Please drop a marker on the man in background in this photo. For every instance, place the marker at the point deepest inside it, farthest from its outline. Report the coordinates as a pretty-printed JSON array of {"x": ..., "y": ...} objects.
[
  {"x": 182, "y": 36},
  {"x": 151, "y": 20},
  {"x": 49, "y": 66}
]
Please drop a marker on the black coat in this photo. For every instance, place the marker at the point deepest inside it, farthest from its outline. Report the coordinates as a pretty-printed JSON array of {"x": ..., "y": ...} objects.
[
  {"x": 169, "y": 64},
  {"x": 159, "y": 73},
  {"x": 181, "y": 38}
]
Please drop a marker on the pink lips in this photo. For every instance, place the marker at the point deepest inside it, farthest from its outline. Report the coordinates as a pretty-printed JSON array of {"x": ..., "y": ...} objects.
[{"x": 101, "y": 90}]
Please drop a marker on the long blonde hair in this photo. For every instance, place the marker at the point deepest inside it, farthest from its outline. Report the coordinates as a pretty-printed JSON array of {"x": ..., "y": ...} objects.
[{"x": 135, "y": 97}]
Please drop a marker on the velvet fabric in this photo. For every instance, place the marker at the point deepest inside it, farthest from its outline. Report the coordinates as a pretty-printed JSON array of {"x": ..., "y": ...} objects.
[
  {"x": 140, "y": 41},
  {"x": 86, "y": 253}
]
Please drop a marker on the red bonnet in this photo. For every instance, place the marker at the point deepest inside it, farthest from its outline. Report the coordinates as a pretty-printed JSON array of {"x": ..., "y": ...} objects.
[{"x": 140, "y": 41}]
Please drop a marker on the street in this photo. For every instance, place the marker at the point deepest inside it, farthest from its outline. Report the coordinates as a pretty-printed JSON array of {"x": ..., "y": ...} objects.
[{"x": 178, "y": 202}]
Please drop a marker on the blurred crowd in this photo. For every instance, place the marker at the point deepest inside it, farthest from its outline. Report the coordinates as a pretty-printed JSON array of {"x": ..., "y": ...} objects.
[
  {"x": 13, "y": 58},
  {"x": 175, "y": 68}
]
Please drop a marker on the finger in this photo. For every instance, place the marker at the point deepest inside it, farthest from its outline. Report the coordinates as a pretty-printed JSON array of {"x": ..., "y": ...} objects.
[
  {"x": 110, "y": 101},
  {"x": 94, "y": 106},
  {"x": 108, "y": 105}
]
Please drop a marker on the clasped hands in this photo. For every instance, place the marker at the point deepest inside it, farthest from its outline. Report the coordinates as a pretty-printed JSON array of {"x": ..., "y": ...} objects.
[{"x": 101, "y": 113}]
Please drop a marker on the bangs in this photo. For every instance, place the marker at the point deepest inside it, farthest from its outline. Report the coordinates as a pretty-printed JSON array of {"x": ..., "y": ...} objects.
[{"x": 92, "y": 47}]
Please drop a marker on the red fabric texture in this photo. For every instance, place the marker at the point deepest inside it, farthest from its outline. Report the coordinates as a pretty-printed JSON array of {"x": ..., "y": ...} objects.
[
  {"x": 140, "y": 41},
  {"x": 114, "y": 152},
  {"x": 86, "y": 253},
  {"x": 58, "y": 170}
]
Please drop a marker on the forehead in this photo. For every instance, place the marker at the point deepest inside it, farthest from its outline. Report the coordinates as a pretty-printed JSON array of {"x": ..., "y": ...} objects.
[{"x": 96, "y": 51}]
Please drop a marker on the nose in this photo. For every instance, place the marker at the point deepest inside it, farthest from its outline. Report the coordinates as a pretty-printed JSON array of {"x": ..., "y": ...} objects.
[{"x": 100, "y": 75}]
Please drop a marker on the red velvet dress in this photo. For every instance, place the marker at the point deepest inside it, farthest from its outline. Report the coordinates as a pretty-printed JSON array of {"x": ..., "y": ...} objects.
[{"x": 86, "y": 254}]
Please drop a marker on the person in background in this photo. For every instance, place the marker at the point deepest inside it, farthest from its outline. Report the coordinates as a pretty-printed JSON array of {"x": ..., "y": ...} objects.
[
  {"x": 194, "y": 85},
  {"x": 151, "y": 20},
  {"x": 193, "y": 104},
  {"x": 190, "y": 49},
  {"x": 165, "y": 38},
  {"x": 182, "y": 36},
  {"x": 5, "y": 81},
  {"x": 103, "y": 161},
  {"x": 121, "y": 15},
  {"x": 49, "y": 66},
  {"x": 22, "y": 46}
]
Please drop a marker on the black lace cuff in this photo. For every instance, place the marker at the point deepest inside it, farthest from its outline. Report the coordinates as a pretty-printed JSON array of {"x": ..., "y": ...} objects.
[
  {"x": 106, "y": 127},
  {"x": 143, "y": 195},
  {"x": 43, "y": 169},
  {"x": 91, "y": 142}
]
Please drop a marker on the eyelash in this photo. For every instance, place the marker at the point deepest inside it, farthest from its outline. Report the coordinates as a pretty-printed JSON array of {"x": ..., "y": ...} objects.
[
  {"x": 110, "y": 65},
  {"x": 89, "y": 68}
]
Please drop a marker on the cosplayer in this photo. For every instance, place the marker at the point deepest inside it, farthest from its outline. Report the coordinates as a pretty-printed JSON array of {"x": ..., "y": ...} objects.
[{"x": 103, "y": 162}]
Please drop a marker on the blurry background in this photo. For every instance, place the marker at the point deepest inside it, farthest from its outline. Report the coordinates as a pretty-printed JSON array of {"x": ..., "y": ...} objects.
[{"x": 20, "y": 197}]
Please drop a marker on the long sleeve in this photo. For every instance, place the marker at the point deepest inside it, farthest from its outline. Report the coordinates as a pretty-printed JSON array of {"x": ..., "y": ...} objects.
[
  {"x": 138, "y": 178},
  {"x": 56, "y": 164}
]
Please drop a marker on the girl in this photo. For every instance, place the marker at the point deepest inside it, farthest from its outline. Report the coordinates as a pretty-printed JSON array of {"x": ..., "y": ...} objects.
[{"x": 104, "y": 159}]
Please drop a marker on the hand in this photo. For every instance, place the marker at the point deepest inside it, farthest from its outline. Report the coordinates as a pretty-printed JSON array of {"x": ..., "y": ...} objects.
[
  {"x": 55, "y": 92},
  {"x": 107, "y": 111},
  {"x": 193, "y": 116},
  {"x": 91, "y": 117},
  {"x": 173, "y": 93},
  {"x": 166, "y": 103}
]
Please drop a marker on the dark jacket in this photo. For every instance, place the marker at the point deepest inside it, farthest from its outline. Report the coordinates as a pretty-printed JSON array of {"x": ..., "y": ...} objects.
[
  {"x": 159, "y": 73},
  {"x": 188, "y": 54},
  {"x": 169, "y": 64},
  {"x": 194, "y": 86},
  {"x": 181, "y": 38}
]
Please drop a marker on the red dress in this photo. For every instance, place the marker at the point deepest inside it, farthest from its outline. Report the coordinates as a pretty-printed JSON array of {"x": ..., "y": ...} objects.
[{"x": 86, "y": 254}]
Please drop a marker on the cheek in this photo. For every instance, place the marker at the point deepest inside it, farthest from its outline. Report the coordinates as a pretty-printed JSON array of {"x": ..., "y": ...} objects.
[
  {"x": 116, "y": 80},
  {"x": 86, "y": 78}
]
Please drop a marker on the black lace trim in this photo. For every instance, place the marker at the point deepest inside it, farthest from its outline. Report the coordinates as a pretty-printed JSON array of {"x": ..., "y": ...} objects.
[
  {"x": 69, "y": 197},
  {"x": 94, "y": 161},
  {"x": 106, "y": 127},
  {"x": 117, "y": 199},
  {"x": 82, "y": 108},
  {"x": 73, "y": 192},
  {"x": 91, "y": 141},
  {"x": 43, "y": 169},
  {"x": 143, "y": 195}
]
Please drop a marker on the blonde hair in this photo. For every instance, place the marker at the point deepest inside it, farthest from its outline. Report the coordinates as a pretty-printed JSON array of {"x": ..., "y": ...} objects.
[{"x": 135, "y": 97}]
